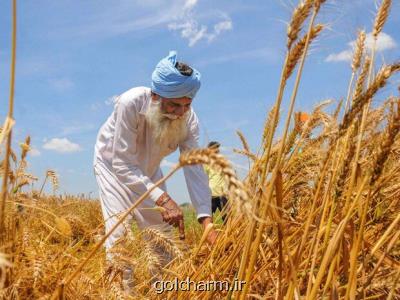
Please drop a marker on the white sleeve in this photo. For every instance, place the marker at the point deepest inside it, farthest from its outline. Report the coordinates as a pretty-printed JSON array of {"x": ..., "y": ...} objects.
[
  {"x": 196, "y": 178},
  {"x": 124, "y": 155}
]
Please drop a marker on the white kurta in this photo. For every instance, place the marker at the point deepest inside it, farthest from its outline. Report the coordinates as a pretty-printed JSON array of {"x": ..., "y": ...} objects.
[{"x": 127, "y": 163}]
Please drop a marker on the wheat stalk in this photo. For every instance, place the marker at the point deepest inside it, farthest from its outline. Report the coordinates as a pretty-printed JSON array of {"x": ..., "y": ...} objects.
[
  {"x": 361, "y": 79},
  {"x": 297, "y": 50},
  {"x": 3, "y": 195},
  {"x": 357, "y": 56},
  {"x": 300, "y": 14},
  {"x": 358, "y": 51},
  {"x": 161, "y": 238},
  {"x": 281, "y": 150},
  {"x": 381, "y": 17},
  {"x": 380, "y": 81}
]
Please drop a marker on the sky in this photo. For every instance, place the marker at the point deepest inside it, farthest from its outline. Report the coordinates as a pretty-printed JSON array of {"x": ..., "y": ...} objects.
[{"x": 73, "y": 57}]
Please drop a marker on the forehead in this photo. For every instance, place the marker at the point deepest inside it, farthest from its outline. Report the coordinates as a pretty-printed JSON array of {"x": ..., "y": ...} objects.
[{"x": 177, "y": 101}]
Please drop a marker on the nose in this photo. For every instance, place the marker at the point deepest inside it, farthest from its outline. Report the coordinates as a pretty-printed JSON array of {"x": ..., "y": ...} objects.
[{"x": 180, "y": 111}]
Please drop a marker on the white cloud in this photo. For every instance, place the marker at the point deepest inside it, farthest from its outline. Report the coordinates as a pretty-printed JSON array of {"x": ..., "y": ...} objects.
[
  {"x": 177, "y": 15},
  {"x": 112, "y": 100},
  {"x": 219, "y": 28},
  {"x": 61, "y": 84},
  {"x": 96, "y": 106},
  {"x": 124, "y": 18},
  {"x": 222, "y": 26},
  {"x": 345, "y": 55},
  {"x": 166, "y": 163},
  {"x": 384, "y": 42},
  {"x": 34, "y": 152},
  {"x": 62, "y": 145},
  {"x": 195, "y": 32},
  {"x": 189, "y": 4},
  {"x": 192, "y": 30}
]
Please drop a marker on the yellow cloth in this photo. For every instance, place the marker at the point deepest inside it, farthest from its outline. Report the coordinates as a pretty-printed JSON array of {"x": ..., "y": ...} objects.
[{"x": 216, "y": 182}]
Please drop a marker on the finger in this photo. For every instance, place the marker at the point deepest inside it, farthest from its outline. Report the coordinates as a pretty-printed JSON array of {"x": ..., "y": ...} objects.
[
  {"x": 175, "y": 220},
  {"x": 174, "y": 215},
  {"x": 163, "y": 215},
  {"x": 212, "y": 238},
  {"x": 166, "y": 217},
  {"x": 172, "y": 222},
  {"x": 181, "y": 229}
]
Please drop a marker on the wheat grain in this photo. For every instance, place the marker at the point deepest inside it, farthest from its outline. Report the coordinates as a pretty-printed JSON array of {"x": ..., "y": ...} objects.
[
  {"x": 300, "y": 14},
  {"x": 298, "y": 49},
  {"x": 381, "y": 17},
  {"x": 359, "y": 102},
  {"x": 358, "y": 51},
  {"x": 361, "y": 79}
]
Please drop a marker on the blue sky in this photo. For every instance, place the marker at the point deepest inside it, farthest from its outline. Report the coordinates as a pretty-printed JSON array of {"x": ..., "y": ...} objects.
[{"x": 74, "y": 56}]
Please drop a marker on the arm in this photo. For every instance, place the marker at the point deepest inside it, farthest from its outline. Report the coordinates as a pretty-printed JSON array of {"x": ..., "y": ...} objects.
[
  {"x": 196, "y": 178},
  {"x": 124, "y": 161}
]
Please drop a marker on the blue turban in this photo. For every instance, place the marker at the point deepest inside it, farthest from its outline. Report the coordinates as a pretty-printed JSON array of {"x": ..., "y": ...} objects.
[{"x": 168, "y": 82}]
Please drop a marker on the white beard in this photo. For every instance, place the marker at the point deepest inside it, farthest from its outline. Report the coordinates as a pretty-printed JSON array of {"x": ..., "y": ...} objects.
[{"x": 163, "y": 128}]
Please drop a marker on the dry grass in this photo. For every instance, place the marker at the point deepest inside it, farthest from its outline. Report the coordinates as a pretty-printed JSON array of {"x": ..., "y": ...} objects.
[{"x": 317, "y": 216}]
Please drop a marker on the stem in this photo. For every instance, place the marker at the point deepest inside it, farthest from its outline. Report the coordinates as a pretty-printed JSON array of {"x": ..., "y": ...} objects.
[
  {"x": 34, "y": 207},
  {"x": 318, "y": 234},
  {"x": 335, "y": 241},
  {"x": 351, "y": 287},
  {"x": 44, "y": 182},
  {"x": 279, "y": 197},
  {"x": 3, "y": 196},
  {"x": 361, "y": 130},
  {"x": 346, "y": 106}
]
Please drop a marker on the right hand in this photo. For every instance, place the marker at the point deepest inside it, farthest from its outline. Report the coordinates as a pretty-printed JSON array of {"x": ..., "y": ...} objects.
[
  {"x": 212, "y": 234},
  {"x": 171, "y": 213}
]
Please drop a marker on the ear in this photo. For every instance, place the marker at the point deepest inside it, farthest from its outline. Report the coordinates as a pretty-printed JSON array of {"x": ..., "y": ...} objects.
[{"x": 154, "y": 96}]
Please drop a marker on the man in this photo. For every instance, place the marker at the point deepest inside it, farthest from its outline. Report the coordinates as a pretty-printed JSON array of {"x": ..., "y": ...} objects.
[
  {"x": 145, "y": 126},
  {"x": 217, "y": 185}
]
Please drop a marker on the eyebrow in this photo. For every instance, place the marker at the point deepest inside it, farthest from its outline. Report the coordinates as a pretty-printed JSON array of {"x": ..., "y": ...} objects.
[{"x": 179, "y": 104}]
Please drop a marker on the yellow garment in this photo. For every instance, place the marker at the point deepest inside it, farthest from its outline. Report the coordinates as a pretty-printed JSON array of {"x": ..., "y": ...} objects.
[{"x": 216, "y": 182}]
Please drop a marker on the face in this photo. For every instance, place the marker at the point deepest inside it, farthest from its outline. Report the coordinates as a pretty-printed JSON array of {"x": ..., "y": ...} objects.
[
  {"x": 174, "y": 106},
  {"x": 167, "y": 119}
]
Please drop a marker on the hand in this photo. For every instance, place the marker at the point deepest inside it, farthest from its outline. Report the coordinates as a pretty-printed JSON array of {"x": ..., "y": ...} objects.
[
  {"x": 212, "y": 237},
  {"x": 212, "y": 234},
  {"x": 171, "y": 213}
]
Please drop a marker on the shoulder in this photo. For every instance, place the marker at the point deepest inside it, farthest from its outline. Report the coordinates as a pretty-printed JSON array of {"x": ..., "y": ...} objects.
[
  {"x": 136, "y": 98},
  {"x": 192, "y": 120}
]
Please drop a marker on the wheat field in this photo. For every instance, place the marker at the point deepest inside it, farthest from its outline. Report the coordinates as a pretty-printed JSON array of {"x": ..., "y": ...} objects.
[{"x": 316, "y": 217}]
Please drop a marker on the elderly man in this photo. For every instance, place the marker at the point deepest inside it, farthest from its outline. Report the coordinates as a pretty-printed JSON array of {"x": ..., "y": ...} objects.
[{"x": 145, "y": 126}]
